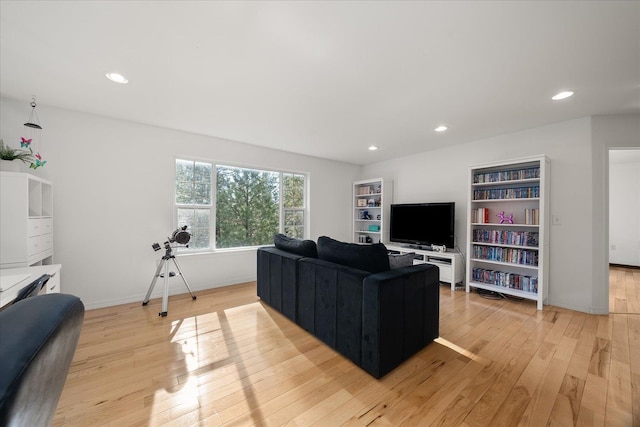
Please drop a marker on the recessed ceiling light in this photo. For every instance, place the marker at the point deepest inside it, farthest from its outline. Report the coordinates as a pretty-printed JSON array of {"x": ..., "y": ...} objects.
[
  {"x": 116, "y": 77},
  {"x": 562, "y": 95},
  {"x": 441, "y": 128},
  {"x": 373, "y": 148}
]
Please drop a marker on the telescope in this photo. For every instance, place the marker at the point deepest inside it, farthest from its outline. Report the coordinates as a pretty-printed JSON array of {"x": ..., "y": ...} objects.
[{"x": 182, "y": 237}]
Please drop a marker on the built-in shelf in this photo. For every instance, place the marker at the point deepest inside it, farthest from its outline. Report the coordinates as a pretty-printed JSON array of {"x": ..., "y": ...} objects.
[{"x": 371, "y": 201}]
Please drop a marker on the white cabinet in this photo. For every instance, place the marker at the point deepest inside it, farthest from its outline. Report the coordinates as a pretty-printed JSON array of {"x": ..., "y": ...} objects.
[
  {"x": 371, "y": 201},
  {"x": 449, "y": 263},
  {"x": 507, "y": 243},
  {"x": 26, "y": 220}
]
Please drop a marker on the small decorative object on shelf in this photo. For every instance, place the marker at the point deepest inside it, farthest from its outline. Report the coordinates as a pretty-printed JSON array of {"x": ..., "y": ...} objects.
[
  {"x": 504, "y": 218},
  {"x": 509, "y": 253}
]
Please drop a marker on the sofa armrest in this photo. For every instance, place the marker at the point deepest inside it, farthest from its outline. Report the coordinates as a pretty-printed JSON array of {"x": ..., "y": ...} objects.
[
  {"x": 276, "y": 279},
  {"x": 38, "y": 339},
  {"x": 400, "y": 315}
]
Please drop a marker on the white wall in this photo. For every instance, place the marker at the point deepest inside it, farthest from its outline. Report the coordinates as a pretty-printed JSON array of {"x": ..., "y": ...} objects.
[
  {"x": 608, "y": 132},
  {"x": 624, "y": 207},
  {"x": 113, "y": 197},
  {"x": 574, "y": 245}
]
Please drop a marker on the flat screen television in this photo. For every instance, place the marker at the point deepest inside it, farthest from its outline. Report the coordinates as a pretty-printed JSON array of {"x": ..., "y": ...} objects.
[{"x": 423, "y": 224}]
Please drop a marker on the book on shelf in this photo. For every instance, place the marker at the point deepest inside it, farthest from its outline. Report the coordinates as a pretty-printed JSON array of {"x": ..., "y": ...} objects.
[
  {"x": 480, "y": 216},
  {"x": 532, "y": 216},
  {"x": 508, "y": 175},
  {"x": 506, "y": 237},
  {"x": 532, "y": 192},
  {"x": 505, "y": 279},
  {"x": 526, "y": 257},
  {"x": 364, "y": 190}
]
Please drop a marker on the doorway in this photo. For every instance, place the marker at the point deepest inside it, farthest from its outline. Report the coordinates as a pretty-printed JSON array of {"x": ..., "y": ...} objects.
[{"x": 624, "y": 231}]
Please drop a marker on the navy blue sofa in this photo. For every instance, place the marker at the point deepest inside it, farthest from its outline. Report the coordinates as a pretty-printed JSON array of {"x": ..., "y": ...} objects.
[
  {"x": 38, "y": 338},
  {"x": 377, "y": 317}
]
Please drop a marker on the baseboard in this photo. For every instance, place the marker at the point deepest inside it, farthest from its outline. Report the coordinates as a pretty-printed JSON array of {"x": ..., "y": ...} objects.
[{"x": 178, "y": 289}]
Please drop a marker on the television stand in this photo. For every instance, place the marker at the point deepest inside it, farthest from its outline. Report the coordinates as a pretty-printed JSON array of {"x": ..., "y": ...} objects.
[{"x": 449, "y": 263}]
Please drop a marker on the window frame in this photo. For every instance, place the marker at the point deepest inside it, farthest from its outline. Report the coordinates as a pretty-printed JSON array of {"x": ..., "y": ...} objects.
[{"x": 213, "y": 211}]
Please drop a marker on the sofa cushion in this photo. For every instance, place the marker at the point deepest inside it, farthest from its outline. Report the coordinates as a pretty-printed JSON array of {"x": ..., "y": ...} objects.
[
  {"x": 371, "y": 258},
  {"x": 296, "y": 246},
  {"x": 401, "y": 260}
]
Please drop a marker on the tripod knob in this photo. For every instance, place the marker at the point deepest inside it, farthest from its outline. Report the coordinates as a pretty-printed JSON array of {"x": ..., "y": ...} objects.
[{"x": 171, "y": 274}]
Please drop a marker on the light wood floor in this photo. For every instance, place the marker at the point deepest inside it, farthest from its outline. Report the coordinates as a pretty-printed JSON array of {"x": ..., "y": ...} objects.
[
  {"x": 228, "y": 359},
  {"x": 624, "y": 290}
]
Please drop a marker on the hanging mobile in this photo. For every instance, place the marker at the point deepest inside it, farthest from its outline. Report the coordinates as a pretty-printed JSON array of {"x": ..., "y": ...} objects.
[{"x": 31, "y": 123}]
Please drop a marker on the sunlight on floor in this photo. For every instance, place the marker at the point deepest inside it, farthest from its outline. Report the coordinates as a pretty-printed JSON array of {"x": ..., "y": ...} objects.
[
  {"x": 460, "y": 350},
  {"x": 206, "y": 345}
]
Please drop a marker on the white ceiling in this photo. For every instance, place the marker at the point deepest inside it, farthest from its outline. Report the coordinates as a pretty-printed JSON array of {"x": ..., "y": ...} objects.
[{"x": 327, "y": 79}]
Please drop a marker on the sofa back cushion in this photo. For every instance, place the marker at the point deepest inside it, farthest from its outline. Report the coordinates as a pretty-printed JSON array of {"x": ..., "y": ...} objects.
[
  {"x": 305, "y": 248},
  {"x": 371, "y": 258}
]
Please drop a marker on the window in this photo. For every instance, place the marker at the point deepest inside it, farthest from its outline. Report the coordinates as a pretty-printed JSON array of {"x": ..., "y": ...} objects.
[
  {"x": 193, "y": 201},
  {"x": 246, "y": 207},
  {"x": 293, "y": 204}
]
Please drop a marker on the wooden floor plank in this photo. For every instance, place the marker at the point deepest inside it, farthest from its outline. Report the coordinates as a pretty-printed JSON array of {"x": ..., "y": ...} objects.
[{"x": 229, "y": 359}]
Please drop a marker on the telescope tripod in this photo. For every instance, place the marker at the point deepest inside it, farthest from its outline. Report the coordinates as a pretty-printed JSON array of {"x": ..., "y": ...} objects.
[{"x": 165, "y": 297}]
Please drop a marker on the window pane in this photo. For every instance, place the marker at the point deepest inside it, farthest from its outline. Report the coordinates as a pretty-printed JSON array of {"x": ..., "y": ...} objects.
[
  {"x": 197, "y": 222},
  {"x": 201, "y": 218},
  {"x": 186, "y": 217},
  {"x": 184, "y": 170},
  {"x": 202, "y": 172},
  {"x": 293, "y": 189},
  {"x": 247, "y": 207},
  {"x": 193, "y": 182},
  {"x": 184, "y": 193},
  {"x": 202, "y": 193},
  {"x": 294, "y": 223}
]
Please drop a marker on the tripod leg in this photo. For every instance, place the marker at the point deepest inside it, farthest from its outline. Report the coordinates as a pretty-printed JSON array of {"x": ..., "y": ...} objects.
[
  {"x": 183, "y": 279},
  {"x": 153, "y": 282},
  {"x": 165, "y": 295}
]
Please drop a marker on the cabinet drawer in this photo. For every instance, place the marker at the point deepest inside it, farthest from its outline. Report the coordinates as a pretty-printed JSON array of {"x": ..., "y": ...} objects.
[
  {"x": 37, "y": 244},
  {"x": 53, "y": 285},
  {"x": 47, "y": 241},
  {"x": 445, "y": 271},
  {"x": 40, "y": 226}
]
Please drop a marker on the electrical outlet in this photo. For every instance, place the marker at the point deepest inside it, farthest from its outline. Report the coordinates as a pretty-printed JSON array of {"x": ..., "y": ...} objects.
[
  {"x": 613, "y": 247},
  {"x": 556, "y": 220}
]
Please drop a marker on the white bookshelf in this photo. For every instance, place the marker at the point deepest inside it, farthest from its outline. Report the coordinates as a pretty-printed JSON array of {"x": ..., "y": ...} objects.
[
  {"x": 26, "y": 220},
  {"x": 371, "y": 203},
  {"x": 509, "y": 258}
]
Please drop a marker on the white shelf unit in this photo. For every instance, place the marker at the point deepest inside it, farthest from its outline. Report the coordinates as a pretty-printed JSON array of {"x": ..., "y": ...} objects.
[
  {"x": 509, "y": 258},
  {"x": 26, "y": 220},
  {"x": 371, "y": 201},
  {"x": 449, "y": 263}
]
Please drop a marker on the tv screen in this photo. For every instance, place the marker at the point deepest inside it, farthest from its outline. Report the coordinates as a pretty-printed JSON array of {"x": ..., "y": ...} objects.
[{"x": 423, "y": 224}]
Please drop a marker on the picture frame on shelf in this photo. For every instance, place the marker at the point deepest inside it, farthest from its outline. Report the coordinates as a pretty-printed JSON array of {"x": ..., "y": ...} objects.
[{"x": 362, "y": 203}]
